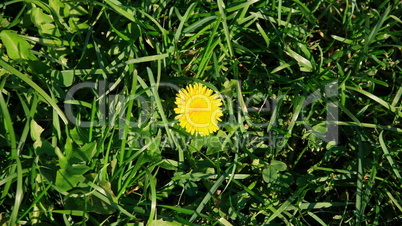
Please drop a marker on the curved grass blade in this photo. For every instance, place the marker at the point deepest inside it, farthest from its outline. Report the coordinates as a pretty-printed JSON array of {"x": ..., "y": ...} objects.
[
  {"x": 377, "y": 99},
  {"x": 389, "y": 157},
  {"x": 207, "y": 197},
  {"x": 35, "y": 87},
  {"x": 15, "y": 168}
]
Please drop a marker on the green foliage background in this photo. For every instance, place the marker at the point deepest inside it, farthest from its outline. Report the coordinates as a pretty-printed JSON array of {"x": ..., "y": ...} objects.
[{"x": 133, "y": 165}]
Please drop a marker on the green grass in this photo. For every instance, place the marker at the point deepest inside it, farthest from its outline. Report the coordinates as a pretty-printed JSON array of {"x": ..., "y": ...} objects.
[{"x": 87, "y": 128}]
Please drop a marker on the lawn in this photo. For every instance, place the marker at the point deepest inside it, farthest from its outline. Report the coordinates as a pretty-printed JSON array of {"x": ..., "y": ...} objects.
[{"x": 297, "y": 121}]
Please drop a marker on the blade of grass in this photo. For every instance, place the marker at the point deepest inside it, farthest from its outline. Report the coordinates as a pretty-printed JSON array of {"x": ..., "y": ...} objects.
[
  {"x": 285, "y": 205},
  {"x": 212, "y": 43},
  {"x": 223, "y": 221},
  {"x": 297, "y": 30},
  {"x": 377, "y": 99},
  {"x": 394, "y": 200},
  {"x": 120, "y": 9},
  {"x": 133, "y": 90},
  {"x": 11, "y": 177},
  {"x": 183, "y": 20},
  {"x": 207, "y": 197},
  {"x": 184, "y": 211},
  {"x": 389, "y": 157},
  {"x": 228, "y": 36},
  {"x": 99, "y": 193},
  {"x": 397, "y": 97},
  {"x": 263, "y": 34},
  {"x": 152, "y": 184},
  {"x": 359, "y": 183},
  {"x": 139, "y": 60},
  {"x": 369, "y": 125},
  {"x": 316, "y": 218},
  {"x": 36, "y": 88},
  {"x": 376, "y": 28},
  {"x": 37, "y": 199},
  {"x": 193, "y": 27},
  {"x": 318, "y": 205},
  {"x": 16, "y": 167},
  {"x": 160, "y": 108}
]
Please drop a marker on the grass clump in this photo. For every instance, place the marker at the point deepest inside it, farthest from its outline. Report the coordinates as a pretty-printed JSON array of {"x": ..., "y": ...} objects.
[{"x": 310, "y": 132}]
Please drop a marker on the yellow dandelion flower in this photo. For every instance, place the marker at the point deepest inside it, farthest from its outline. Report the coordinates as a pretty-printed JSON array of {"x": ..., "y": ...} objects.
[{"x": 198, "y": 109}]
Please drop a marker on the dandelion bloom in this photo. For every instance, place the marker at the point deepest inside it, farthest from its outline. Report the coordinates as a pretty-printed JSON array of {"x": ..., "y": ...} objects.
[{"x": 198, "y": 109}]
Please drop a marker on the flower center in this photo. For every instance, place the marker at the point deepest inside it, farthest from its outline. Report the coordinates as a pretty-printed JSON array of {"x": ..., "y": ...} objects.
[{"x": 199, "y": 104}]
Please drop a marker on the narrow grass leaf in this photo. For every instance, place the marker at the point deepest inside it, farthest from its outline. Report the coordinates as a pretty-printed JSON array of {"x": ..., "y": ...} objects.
[
  {"x": 11, "y": 177},
  {"x": 394, "y": 200},
  {"x": 305, "y": 65},
  {"x": 221, "y": 6},
  {"x": 120, "y": 9},
  {"x": 140, "y": 60},
  {"x": 16, "y": 167},
  {"x": 225, "y": 222},
  {"x": 198, "y": 24},
  {"x": 286, "y": 204},
  {"x": 377, "y": 99},
  {"x": 318, "y": 205},
  {"x": 316, "y": 218},
  {"x": 184, "y": 19},
  {"x": 359, "y": 184},
  {"x": 377, "y": 27},
  {"x": 241, "y": 6},
  {"x": 306, "y": 12},
  {"x": 207, "y": 197},
  {"x": 152, "y": 184},
  {"x": 263, "y": 34},
  {"x": 397, "y": 97},
  {"x": 389, "y": 157},
  {"x": 35, "y": 87}
]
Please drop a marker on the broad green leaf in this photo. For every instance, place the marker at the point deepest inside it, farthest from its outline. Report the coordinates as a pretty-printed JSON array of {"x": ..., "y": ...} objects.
[
  {"x": 65, "y": 181},
  {"x": 270, "y": 174},
  {"x": 278, "y": 165},
  {"x": 77, "y": 169},
  {"x": 17, "y": 48},
  {"x": 4, "y": 22},
  {"x": 44, "y": 147},
  {"x": 63, "y": 161},
  {"x": 39, "y": 18},
  {"x": 196, "y": 144},
  {"x": 229, "y": 87},
  {"x": 85, "y": 153},
  {"x": 79, "y": 135},
  {"x": 45, "y": 23},
  {"x": 68, "y": 177},
  {"x": 214, "y": 143}
]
